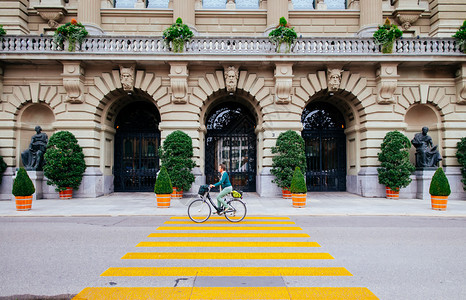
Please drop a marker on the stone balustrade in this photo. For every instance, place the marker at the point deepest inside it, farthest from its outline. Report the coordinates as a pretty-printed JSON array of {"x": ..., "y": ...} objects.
[{"x": 227, "y": 46}]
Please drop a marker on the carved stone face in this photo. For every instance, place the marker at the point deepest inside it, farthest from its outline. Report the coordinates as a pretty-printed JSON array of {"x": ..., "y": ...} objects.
[
  {"x": 231, "y": 79},
  {"x": 334, "y": 79},
  {"x": 127, "y": 78}
]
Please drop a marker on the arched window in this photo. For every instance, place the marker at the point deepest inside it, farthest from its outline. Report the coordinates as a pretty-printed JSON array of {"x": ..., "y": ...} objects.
[{"x": 303, "y": 4}]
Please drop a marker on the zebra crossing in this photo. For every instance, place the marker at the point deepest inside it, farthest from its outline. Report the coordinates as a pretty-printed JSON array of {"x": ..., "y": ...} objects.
[{"x": 259, "y": 258}]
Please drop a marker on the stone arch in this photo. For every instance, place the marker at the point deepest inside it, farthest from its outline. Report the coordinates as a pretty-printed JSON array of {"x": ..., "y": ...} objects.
[
  {"x": 33, "y": 93},
  {"x": 428, "y": 95}
]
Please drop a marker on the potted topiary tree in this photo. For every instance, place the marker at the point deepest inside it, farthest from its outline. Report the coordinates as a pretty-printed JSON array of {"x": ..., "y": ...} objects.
[
  {"x": 283, "y": 34},
  {"x": 176, "y": 155},
  {"x": 23, "y": 188},
  {"x": 460, "y": 37},
  {"x": 439, "y": 190},
  {"x": 298, "y": 188},
  {"x": 395, "y": 168},
  {"x": 290, "y": 153},
  {"x": 461, "y": 155},
  {"x": 3, "y": 167},
  {"x": 64, "y": 163},
  {"x": 386, "y": 35},
  {"x": 163, "y": 188},
  {"x": 71, "y": 32},
  {"x": 177, "y": 35}
]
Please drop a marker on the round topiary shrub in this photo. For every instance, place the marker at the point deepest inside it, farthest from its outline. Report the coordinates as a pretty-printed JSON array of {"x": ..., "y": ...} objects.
[
  {"x": 461, "y": 155},
  {"x": 176, "y": 155},
  {"x": 163, "y": 184},
  {"x": 22, "y": 185},
  {"x": 290, "y": 153},
  {"x": 439, "y": 186},
  {"x": 298, "y": 183},
  {"x": 3, "y": 167},
  {"x": 64, "y": 161},
  {"x": 395, "y": 167}
]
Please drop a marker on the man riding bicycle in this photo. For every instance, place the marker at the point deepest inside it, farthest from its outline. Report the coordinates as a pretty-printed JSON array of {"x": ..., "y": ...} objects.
[{"x": 226, "y": 188}]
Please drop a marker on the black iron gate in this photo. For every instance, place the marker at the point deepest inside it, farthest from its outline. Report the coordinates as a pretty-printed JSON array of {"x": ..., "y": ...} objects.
[
  {"x": 231, "y": 140},
  {"x": 325, "y": 142}
]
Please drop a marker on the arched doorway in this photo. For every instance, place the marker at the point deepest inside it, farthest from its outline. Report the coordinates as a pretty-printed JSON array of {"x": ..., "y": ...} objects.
[
  {"x": 231, "y": 140},
  {"x": 325, "y": 140},
  {"x": 137, "y": 141}
]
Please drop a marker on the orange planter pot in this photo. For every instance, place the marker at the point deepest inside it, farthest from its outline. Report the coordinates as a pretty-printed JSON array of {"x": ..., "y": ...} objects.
[
  {"x": 177, "y": 194},
  {"x": 286, "y": 194},
  {"x": 299, "y": 200},
  {"x": 439, "y": 202},
  {"x": 66, "y": 194},
  {"x": 23, "y": 203},
  {"x": 163, "y": 200},
  {"x": 391, "y": 194}
]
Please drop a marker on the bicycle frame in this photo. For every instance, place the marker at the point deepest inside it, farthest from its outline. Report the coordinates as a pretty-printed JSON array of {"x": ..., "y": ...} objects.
[{"x": 207, "y": 196}]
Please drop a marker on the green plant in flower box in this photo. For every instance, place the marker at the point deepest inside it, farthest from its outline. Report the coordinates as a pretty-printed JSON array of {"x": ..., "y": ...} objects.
[
  {"x": 283, "y": 33},
  {"x": 439, "y": 186},
  {"x": 163, "y": 184},
  {"x": 386, "y": 35},
  {"x": 22, "y": 185},
  {"x": 460, "y": 37},
  {"x": 298, "y": 183},
  {"x": 72, "y": 32},
  {"x": 177, "y": 34}
]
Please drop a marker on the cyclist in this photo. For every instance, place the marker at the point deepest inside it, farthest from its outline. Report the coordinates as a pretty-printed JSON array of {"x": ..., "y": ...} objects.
[{"x": 226, "y": 188}]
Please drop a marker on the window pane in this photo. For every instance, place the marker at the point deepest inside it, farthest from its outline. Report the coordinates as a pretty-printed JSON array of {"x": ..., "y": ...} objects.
[
  {"x": 157, "y": 3},
  {"x": 247, "y": 4},
  {"x": 125, "y": 3},
  {"x": 214, "y": 3},
  {"x": 303, "y": 4},
  {"x": 336, "y": 4}
]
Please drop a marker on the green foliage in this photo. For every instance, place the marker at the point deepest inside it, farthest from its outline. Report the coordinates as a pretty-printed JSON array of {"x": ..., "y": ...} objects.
[
  {"x": 163, "y": 184},
  {"x": 2, "y": 31},
  {"x": 283, "y": 34},
  {"x": 439, "y": 185},
  {"x": 72, "y": 32},
  {"x": 22, "y": 185},
  {"x": 178, "y": 34},
  {"x": 386, "y": 34},
  {"x": 176, "y": 155},
  {"x": 64, "y": 161},
  {"x": 290, "y": 154},
  {"x": 298, "y": 183},
  {"x": 460, "y": 37},
  {"x": 395, "y": 167},
  {"x": 461, "y": 155},
  {"x": 3, "y": 167}
]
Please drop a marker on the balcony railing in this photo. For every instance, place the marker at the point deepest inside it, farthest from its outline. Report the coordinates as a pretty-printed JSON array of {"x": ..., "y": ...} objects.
[{"x": 227, "y": 46}]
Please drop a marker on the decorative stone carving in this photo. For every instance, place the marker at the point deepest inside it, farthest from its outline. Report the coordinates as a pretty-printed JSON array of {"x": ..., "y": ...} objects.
[
  {"x": 283, "y": 82},
  {"x": 52, "y": 11},
  {"x": 321, "y": 5},
  {"x": 231, "y": 4},
  {"x": 334, "y": 79},
  {"x": 179, "y": 82},
  {"x": 407, "y": 12},
  {"x": 231, "y": 78},
  {"x": 461, "y": 85},
  {"x": 73, "y": 81},
  {"x": 127, "y": 78},
  {"x": 387, "y": 82}
]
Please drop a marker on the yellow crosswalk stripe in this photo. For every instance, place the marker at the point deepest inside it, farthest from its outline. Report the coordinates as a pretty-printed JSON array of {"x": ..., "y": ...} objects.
[
  {"x": 234, "y": 293},
  {"x": 224, "y": 255},
  {"x": 226, "y": 228},
  {"x": 227, "y": 271},
  {"x": 223, "y": 218},
  {"x": 227, "y": 244},
  {"x": 228, "y": 235},
  {"x": 228, "y": 222}
]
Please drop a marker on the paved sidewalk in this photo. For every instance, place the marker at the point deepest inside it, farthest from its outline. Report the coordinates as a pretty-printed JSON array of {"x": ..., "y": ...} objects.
[{"x": 318, "y": 204}]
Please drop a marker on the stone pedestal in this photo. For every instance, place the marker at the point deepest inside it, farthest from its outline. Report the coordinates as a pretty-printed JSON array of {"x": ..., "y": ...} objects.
[
  {"x": 37, "y": 178},
  {"x": 7, "y": 184},
  {"x": 264, "y": 185},
  {"x": 423, "y": 179}
]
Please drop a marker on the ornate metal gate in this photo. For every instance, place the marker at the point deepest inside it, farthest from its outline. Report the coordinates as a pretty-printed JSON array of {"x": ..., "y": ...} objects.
[
  {"x": 325, "y": 142},
  {"x": 137, "y": 141},
  {"x": 231, "y": 140}
]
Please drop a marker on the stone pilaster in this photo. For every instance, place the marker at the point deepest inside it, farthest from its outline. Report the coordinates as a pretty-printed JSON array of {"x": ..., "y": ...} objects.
[
  {"x": 185, "y": 10},
  {"x": 283, "y": 82},
  {"x": 387, "y": 82},
  {"x": 73, "y": 81},
  {"x": 179, "y": 82},
  {"x": 89, "y": 16},
  {"x": 14, "y": 16},
  {"x": 461, "y": 85},
  {"x": 370, "y": 17},
  {"x": 275, "y": 10}
]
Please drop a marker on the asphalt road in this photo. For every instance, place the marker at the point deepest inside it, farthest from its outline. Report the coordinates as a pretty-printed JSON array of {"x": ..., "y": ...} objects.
[{"x": 394, "y": 257}]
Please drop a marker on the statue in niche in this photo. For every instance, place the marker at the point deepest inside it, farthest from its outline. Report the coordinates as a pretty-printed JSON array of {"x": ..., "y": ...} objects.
[
  {"x": 231, "y": 79},
  {"x": 427, "y": 155},
  {"x": 334, "y": 79},
  {"x": 127, "y": 78},
  {"x": 33, "y": 158}
]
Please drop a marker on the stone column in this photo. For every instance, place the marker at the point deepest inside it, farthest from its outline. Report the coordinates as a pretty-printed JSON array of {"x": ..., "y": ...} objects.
[
  {"x": 89, "y": 16},
  {"x": 186, "y": 11},
  {"x": 370, "y": 17},
  {"x": 275, "y": 10}
]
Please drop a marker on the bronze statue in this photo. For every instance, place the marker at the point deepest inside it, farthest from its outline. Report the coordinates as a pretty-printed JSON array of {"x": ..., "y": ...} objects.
[
  {"x": 427, "y": 155},
  {"x": 33, "y": 158}
]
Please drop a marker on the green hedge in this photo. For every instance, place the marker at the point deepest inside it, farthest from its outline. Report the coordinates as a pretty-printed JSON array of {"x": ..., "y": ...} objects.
[
  {"x": 461, "y": 155},
  {"x": 439, "y": 185},
  {"x": 163, "y": 184},
  {"x": 298, "y": 183},
  {"x": 22, "y": 185},
  {"x": 3, "y": 167}
]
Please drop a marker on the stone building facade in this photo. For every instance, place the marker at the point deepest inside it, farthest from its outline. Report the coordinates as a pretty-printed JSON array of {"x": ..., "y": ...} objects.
[{"x": 122, "y": 92}]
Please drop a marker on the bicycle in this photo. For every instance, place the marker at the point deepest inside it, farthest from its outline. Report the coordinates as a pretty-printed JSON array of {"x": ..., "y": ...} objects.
[{"x": 200, "y": 210}]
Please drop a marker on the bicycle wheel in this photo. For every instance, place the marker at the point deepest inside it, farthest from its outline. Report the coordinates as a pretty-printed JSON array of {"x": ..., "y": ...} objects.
[
  {"x": 199, "y": 211},
  {"x": 237, "y": 212}
]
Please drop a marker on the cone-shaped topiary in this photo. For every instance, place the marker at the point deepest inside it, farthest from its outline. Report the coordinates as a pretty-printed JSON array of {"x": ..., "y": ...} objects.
[
  {"x": 461, "y": 155},
  {"x": 22, "y": 185},
  {"x": 163, "y": 184},
  {"x": 439, "y": 186},
  {"x": 64, "y": 161},
  {"x": 176, "y": 155},
  {"x": 3, "y": 167},
  {"x": 298, "y": 183},
  {"x": 290, "y": 154},
  {"x": 395, "y": 167}
]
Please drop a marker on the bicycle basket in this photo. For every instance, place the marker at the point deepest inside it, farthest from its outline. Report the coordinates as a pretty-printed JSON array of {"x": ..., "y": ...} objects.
[
  {"x": 237, "y": 194},
  {"x": 203, "y": 189}
]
